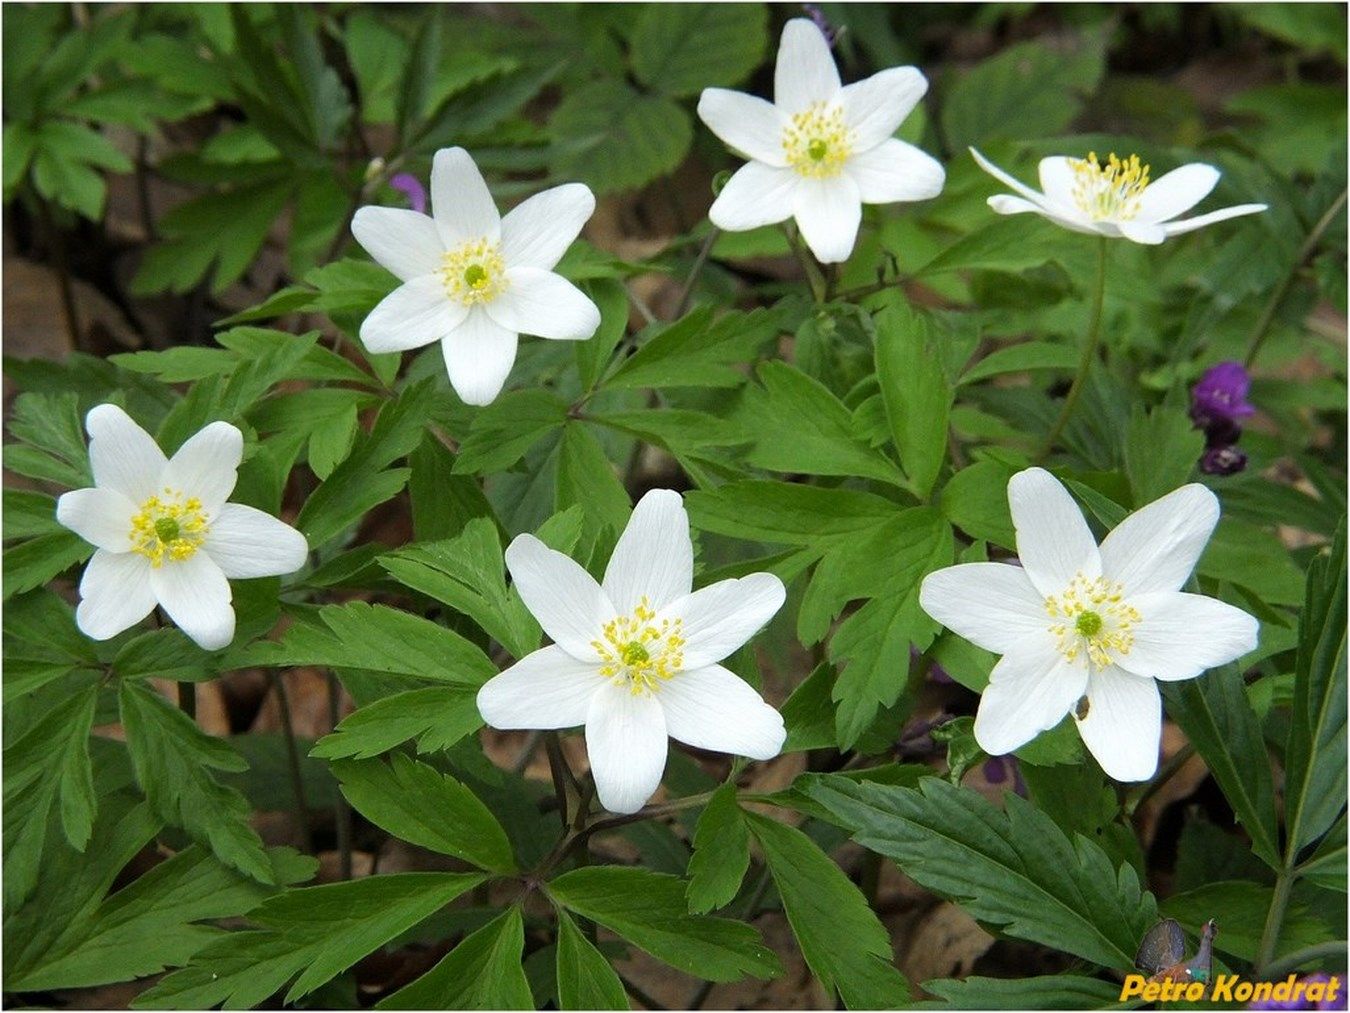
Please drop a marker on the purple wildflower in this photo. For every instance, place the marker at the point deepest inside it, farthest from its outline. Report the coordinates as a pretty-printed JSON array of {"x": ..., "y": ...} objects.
[
  {"x": 1302, "y": 1002},
  {"x": 997, "y": 768},
  {"x": 1221, "y": 395},
  {"x": 1223, "y": 460},
  {"x": 410, "y": 185}
]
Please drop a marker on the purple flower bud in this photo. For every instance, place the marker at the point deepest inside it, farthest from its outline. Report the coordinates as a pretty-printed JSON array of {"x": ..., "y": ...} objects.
[
  {"x": 1227, "y": 460},
  {"x": 1221, "y": 395},
  {"x": 410, "y": 185},
  {"x": 995, "y": 770},
  {"x": 818, "y": 18}
]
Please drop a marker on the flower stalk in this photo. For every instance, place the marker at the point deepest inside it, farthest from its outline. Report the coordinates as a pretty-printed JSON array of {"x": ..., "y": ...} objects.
[{"x": 1090, "y": 344}]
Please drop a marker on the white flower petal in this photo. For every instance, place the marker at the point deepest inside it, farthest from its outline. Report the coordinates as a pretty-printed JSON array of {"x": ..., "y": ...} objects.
[
  {"x": 895, "y": 171},
  {"x": 745, "y": 123},
  {"x": 805, "y": 71},
  {"x": 721, "y": 617},
  {"x": 546, "y": 689},
  {"x": 713, "y": 708},
  {"x": 1123, "y": 727},
  {"x": 1018, "y": 187},
  {"x": 115, "y": 594},
  {"x": 538, "y": 230},
  {"x": 1057, "y": 180},
  {"x": 460, "y": 202},
  {"x": 403, "y": 242},
  {"x": 1191, "y": 224},
  {"x": 1007, "y": 204},
  {"x": 122, "y": 455},
  {"x": 102, "y": 517},
  {"x": 1180, "y": 635},
  {"x": 828, "y": 213},
  {"x": 1142, "y": 232},
  {"x": 478, "y": 356},
  {"x": 569, "y": 604},
  {"x": 626, "y": 742},
  {"x": 876, "y": 106},
  {"x": 207, "y": 465},
  {"x": 196, "y": 596},
  {"x": 755, "y": 195},
  {"x": 1176, "y": 192},
  {"x": 416, "y": 313},
  {"x": 1157, "y": 546},
  {"x": 1030, "y": 690},
  {"x": 654, "y": 557},
  {"x": 245, "y": 542},
  {"x": 993, "y": 605},
  {"x": 1053, "y": 541},
  {"x": 544, "y": 304}
]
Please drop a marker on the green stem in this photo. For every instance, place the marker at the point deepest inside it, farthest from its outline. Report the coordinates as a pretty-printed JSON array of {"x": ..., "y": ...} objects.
[
  {"x": 1309, "y": 247},
  {"x": 687, "y": 290},
  {"x": 1270, "y": 935},
  {"x": 809, "y": 266},
  {"x": 342, "y": 813},
  {"x": 293, "y": 763},
  {"x": 557, "y": 766},
  {"x": 1292, "y": 961},
  {"x": 1090, "y": 345},
  {"x": 1169, "y": 770}
]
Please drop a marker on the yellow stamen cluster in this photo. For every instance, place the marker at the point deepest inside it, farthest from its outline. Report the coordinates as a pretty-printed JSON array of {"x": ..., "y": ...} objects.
[
  {"x": 170, "y": 527},
  {"x": 1109, "y": 192},
  {"x": 639, "y": 651},
  {"x": 474, "y": 272},
  {"x": 817, "y": 142},
  {"x": 1092, "y": 618}
]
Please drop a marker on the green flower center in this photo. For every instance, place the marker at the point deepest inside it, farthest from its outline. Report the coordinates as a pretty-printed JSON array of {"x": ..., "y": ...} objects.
[
  {"x": 817, "y": 150},
  {"x": 475, "y": 276},
  {"x": 639, "y": 651},
  {"x": 634, "y": 653},
  {"x": 1088, "y": 623},
  {"x": 166, "y": 528}
]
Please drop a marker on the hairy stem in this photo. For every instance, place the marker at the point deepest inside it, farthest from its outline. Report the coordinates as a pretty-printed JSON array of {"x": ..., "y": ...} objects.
[{"x": 1090, "y": 344}]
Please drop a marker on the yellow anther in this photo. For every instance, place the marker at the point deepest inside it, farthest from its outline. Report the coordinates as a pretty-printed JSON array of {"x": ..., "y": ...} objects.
[
  {"x": 168, "y": 527},
  {"x": 639, "y": 652},
  {"x": 474, "y": 272},
  {"x": 816, "y": 142},
  {"x": 1110, "y": 191},
  {"x": 1091, "y": 619}
]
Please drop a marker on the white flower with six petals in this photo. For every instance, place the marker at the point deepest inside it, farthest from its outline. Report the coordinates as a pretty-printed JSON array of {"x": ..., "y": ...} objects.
[
  {"x": 473, "y": 279},
  {"x": 1076, "y": 620},
  {"x": 821, "y": 149},
  {"x": 1117, "y": 199},
  {"x": 635, "y": 658},
  {"x": 164, "y": 533}
]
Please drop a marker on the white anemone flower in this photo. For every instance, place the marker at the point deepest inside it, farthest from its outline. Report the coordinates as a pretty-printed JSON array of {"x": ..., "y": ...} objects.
[
  {"x": 164, "y": 533},
  {"x": 1117, "y": 199},
  {"x": 820, "y": 150},
  {"x": 1085, "y": 629},
  {"x": 474, "y": 280},
  {"x": 635, "y": 658}
]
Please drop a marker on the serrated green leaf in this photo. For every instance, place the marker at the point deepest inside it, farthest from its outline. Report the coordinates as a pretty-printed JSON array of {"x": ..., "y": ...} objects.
[
  {"x": 586, "y": 478},
  {"x": 1044, "y": 991},
  {"x": 437, "y": 717},
  {"x": 630, "y": 138},
  {"x": 721, "y": 853},
  {"x": 1240, "y": 907},
  {"x": 482, "y": 972},
  {"x": 585, "y": 978},
  {"x": 32, "y": 563},
  {"x": 508, "y": 427},
  {"x": 1021, "y": 358},
  {"x": 680, "y": 49},
  {"x": 649, "y": 910},
  {"x": 696, "y": 350},
  {"x": 916, "y": 394}
]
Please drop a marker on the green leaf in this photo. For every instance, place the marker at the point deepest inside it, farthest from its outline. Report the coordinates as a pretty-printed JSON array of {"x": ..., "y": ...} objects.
[
  {"x": 443, "y": 503},
  {"x": 585, "y": 978},
  {"x": 785, "y": 513},
  {"x": 823, "y": 439},
  {"x": 649, "y": 910},
  {"x": 437, "y": 717},
  {"x": 587, "y": 478},
  {"x": 1026, "y": 90},
  {"x": 29, "y": 513},
  {"x": 32, "y": 563},
  {"x": 593, "y": 355},
  {"x": 1240, "y": 909},
  {"x": 975, "y": 500},
  {"x": 164, "y": 653},
  {"x": 347, "y": 493},
  {"x": 1161, "y": 448},
  {"x": 374, "y": 638},
  {"x": 696, "y": 351},
  {"x": 173, "y": 759},
  {"x": 508, "y": 427},
  {"x": 418, "y": 804},
  {"x": 51, "y": 424},
  {"x": 629, "y": 139},
  {"x": 1005, "y": 244},
  {"x": 149, "y": 925},
  {"x": 1254, "y": 558},
  {"x": 1025, "y": 357},
  {"x": 468, "y": 574},
  {"x": 1327, "y": 865},
  {"x": 1044, "y": 992},
  {"x": 1013, "y": 870},
  {"x": 315, "y": 932},
  {"x": 916, "y": 394},
  {"x": 721, "y": 853},
  {"x": 482, "y": 972},
  {"x": 842, "y": 939},
  {"x": 680, "y": 49},
  {"x": 1218, "y": 719},
  {"x": 1315, "y": 775},
  {"x": 47, "y": 767}
]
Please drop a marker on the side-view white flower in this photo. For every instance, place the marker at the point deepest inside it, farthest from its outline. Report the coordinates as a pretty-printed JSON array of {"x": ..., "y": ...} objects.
[
  {"x": 635, "y": 658},
  {"x": 474, "y": 280},
  {"x": 164, "y": 533},
  {"x": 1086, "y": 629},
  {"x": 1116, "y": 199},
  {"x": 820, "y": 150}
]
